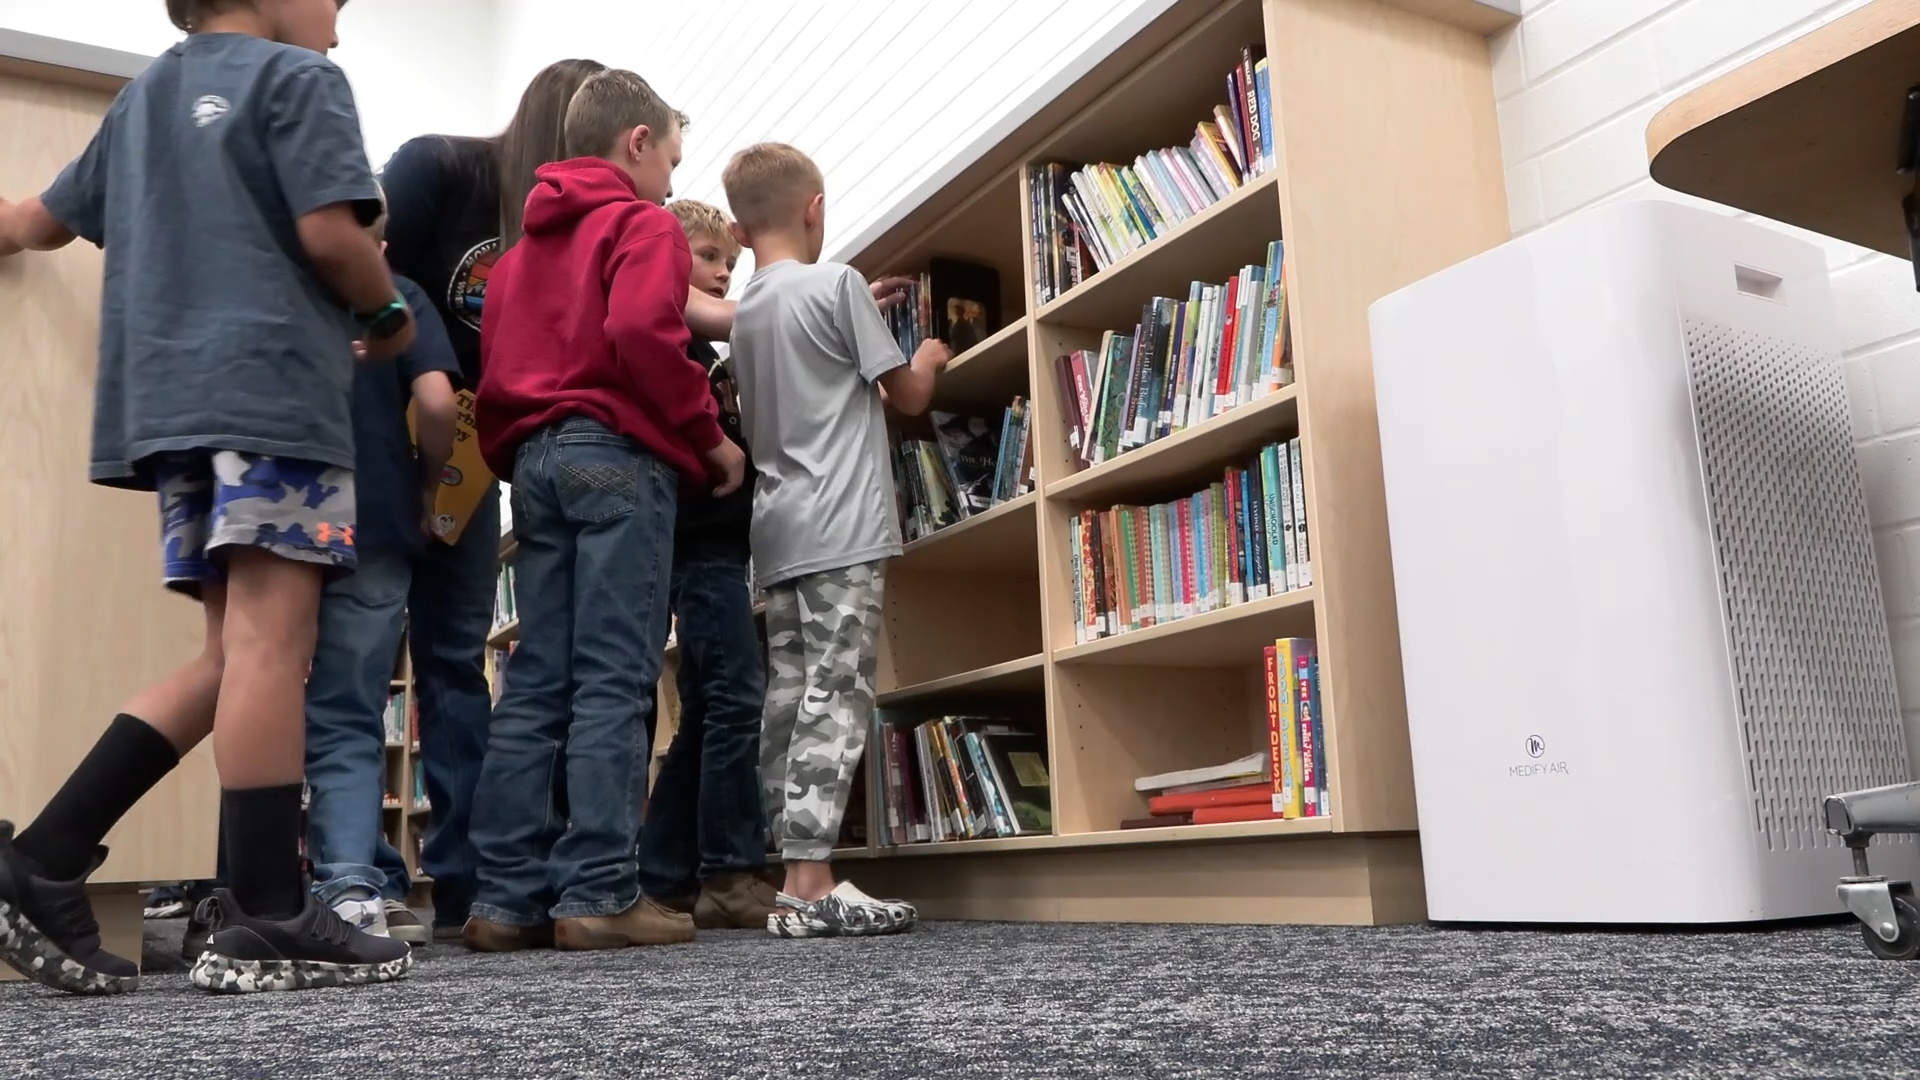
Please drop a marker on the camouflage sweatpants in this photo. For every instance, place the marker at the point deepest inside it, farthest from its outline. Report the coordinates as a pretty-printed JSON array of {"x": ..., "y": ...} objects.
[{"x": 822, "y": 634}]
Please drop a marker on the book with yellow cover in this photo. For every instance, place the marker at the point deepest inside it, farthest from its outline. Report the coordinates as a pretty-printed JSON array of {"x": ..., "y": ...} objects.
[{"x": 466, "y": 479}]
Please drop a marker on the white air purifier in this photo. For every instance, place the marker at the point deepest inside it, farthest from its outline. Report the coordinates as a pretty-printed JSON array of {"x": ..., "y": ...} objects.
[{"x": 1640, "y": 617}]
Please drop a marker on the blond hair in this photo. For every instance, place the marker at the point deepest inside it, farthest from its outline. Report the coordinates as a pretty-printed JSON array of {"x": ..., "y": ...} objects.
[
  {"x": 703, "y": 219},
  {"x": 770, "y": 184},
  {"x": 609, "y": 105}
]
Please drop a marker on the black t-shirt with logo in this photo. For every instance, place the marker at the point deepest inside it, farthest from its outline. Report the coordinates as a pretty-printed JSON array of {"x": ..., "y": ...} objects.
[
  {"x": 708, "y": 527},
  {"x": 443, "y": 231}
]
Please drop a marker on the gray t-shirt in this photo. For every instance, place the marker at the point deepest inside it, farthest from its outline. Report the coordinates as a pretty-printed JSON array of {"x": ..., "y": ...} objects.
[
  {"x": 215, "y": 332},
  {"x": 808, "y": 344}
]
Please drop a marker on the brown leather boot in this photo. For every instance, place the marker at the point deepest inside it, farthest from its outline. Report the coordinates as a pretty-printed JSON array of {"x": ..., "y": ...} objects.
[
  {"x": 681, "y": 904},
  {"x": 734, "y": 902},
  {"x": 479, "y": 935},
  {"x": 645, "y": 923}
]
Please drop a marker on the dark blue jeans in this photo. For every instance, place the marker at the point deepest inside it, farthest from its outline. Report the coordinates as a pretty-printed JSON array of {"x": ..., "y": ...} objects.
[
  {"x": 362, "y": 616},
  {"x": 593, "y": 514},
  {"x": 705, "y": 816},
  {"x": 451, "y": 606}
]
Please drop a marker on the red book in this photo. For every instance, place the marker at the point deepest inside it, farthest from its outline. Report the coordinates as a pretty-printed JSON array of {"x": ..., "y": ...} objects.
[
  {"x": 1243, "y": 795},
  {"x": 1157, "y": 822},
  {"x": 1220, "y": 815},
  {"x": 1302, "y": 686},
  {"x": 1224, "y": 375}
]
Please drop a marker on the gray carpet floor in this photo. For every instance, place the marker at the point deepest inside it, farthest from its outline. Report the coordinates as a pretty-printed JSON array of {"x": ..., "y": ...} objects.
[{"x": 1034, "y": 1003}]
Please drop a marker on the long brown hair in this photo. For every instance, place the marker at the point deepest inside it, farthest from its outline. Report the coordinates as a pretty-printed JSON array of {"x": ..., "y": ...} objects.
[{"x": 535, "y": 137}]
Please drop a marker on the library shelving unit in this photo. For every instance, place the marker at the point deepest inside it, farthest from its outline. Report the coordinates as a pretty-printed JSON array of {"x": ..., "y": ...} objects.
[
  {"x": 1388, "y": 169},
  {"x": 404, "y": 807}
]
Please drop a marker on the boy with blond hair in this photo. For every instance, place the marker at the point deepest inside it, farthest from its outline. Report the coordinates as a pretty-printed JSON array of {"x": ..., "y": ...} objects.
[
  {"x": 589, "y": 401},
  {"x": 814, "y": 360},
  {"x": 704, "y": 843}
]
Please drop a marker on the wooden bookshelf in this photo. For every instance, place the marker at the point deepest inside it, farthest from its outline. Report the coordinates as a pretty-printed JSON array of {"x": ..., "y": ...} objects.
[{"x": 1388, "y": 169}]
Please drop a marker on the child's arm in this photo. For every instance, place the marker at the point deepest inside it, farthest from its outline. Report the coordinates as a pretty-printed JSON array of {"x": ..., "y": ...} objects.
[
  {"x": 709, "y": 317},
  {"x": 27, "y": 226},
  {"x": 428, "y": 369},
  {"x": 907, "y": 387},
  {"x": 312, "y": 134},
  {"x": 647, "y": 324},
  {"x": 436, "y": 419}
]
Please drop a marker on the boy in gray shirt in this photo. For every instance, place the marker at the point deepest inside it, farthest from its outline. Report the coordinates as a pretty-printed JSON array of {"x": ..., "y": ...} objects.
[{"x": 809, "y": 350}]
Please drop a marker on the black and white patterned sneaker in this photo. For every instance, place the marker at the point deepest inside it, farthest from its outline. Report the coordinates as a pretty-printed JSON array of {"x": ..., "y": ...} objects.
[
  {"x": 47, "y": 929},
  {"x": 844, "y": 912},
  {"x": 314, "y": 949}
]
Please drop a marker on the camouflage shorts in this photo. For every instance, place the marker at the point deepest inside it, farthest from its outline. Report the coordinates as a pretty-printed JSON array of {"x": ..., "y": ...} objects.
[
  {"x": 215, "y": 499},
  {"x": 822, "y": 637}
]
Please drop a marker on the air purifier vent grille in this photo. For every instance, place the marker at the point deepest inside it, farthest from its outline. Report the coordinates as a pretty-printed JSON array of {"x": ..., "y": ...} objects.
[{"x": 1806, "y": 625}]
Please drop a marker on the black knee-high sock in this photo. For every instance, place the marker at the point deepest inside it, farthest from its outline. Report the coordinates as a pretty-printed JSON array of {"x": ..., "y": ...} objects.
[
  {"x": 122, "y": 767},
  {"x": 262, "y": 828}
]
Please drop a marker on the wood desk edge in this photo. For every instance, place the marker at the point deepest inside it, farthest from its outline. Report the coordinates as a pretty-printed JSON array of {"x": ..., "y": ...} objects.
[{"x": 1773, "y": 71}]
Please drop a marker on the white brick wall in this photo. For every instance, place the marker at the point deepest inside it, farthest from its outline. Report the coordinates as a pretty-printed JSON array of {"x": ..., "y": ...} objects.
[{"x": 1578, "y": 81}]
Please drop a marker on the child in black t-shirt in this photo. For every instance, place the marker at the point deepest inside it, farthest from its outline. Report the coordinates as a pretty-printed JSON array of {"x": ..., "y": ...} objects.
[
  {"x": 229, "y": 188},
  {"x": 704, "y": 845}
]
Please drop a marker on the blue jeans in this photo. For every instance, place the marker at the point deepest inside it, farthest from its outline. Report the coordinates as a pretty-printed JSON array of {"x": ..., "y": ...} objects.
[
  {"x": 705, "y": 816},
  {"x": 361, "y": 620},
  {"x": 452, "y": 609},
  {"x": 594, "y": 514}
]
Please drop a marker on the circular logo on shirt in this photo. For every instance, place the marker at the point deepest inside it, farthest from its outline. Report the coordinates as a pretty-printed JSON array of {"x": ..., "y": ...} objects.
[
  {"x": 467, "y": 292},
  {"x": 209, "y": 109}
]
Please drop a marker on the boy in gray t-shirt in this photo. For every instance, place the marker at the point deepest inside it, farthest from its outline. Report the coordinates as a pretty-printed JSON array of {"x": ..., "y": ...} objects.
[
  {"x": 229, "y": 187},
  {"x": 814, "y": 361}
]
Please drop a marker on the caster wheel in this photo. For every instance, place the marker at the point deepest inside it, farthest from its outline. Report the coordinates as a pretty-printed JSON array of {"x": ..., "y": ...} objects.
[{"x": 1906, "y": 945}]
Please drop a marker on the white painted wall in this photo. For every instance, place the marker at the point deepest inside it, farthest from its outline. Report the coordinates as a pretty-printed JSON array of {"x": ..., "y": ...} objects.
[
  {"x": 416, "y": 65},
  {"x": 882, "y": 93},
  {"x": 1578, "y": 81}
]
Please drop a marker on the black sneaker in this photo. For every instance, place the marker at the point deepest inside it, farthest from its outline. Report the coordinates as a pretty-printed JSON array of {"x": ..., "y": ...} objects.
[
  {"x": 200, "y": 927},
  {"x": 315, "y": 948},
  {"x": 47, "y": 929}
]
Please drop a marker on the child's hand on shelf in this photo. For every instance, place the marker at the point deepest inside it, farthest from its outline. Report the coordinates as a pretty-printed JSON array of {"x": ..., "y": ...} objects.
[
  {"x": 890, "y": 291},
  {"x": 728, "y": 464},
  {"x": 932, "y": 356}
]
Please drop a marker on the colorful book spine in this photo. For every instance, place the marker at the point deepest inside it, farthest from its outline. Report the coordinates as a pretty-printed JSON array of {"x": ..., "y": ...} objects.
[
  {"x": 1304, "y": 550},
  {"x": 1287, "y": 657},
  {"x": 1311, "y": 754}
]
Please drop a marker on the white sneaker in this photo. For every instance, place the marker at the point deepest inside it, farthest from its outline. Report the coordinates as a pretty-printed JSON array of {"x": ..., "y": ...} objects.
[{"x": 365, "y": 913}]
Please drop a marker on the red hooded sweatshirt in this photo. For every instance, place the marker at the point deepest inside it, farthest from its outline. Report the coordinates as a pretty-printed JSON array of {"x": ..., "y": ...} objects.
[{"x": 586, "y": 316}]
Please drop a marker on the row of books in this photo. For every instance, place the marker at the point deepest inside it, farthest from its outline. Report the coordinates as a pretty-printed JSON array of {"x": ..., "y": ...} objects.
[
  {"x": 1240, "y": 539},
  {"x": 1185, "y": 362},
  {"x": 420, "y": 801},
  {"x": 1088, "y": 217},
  {"x": 1287, "y": 780},
  {"x": 966, "y": 466},
  {"x": 951, "y": 301},
  {"x": 505, "y": 610},
  {"x": 961, "y": 778},
  {"x": 398, "y": 719}
]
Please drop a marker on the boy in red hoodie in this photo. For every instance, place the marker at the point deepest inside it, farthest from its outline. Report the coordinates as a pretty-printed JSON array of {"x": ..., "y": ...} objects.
[{"x": 589, "y": 401}]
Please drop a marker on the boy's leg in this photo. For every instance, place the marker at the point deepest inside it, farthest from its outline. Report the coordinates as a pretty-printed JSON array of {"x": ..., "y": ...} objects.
[
  {"x": 622, "y": 502},
  {"x": 840, "y": 622},
  {"x": 786, "y": 687},
  {"x": 514, "y": 827},
  {"x": 669, "y": 861},
  {"x": 452, "y": 610},
  {"x": 722, "y": 668},
  {"x": 278, "y": 525},
  {"x": 361, "y": 619},
  {"x": 47, "y": 929}
]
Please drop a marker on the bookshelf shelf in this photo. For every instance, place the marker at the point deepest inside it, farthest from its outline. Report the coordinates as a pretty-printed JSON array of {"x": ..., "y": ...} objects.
[
  {"x": 1209, "y": 247},
  {"x": 1186, "y": 459},
  {"x": 1224, "y": 638},
  {"x": 998, "y": 541},
  {"x": 1386, "y": 168},
  {"x": 1025, "y": 674},
  {"x": 986, "y": 376},
  {"x": 506, "y": 634}
]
